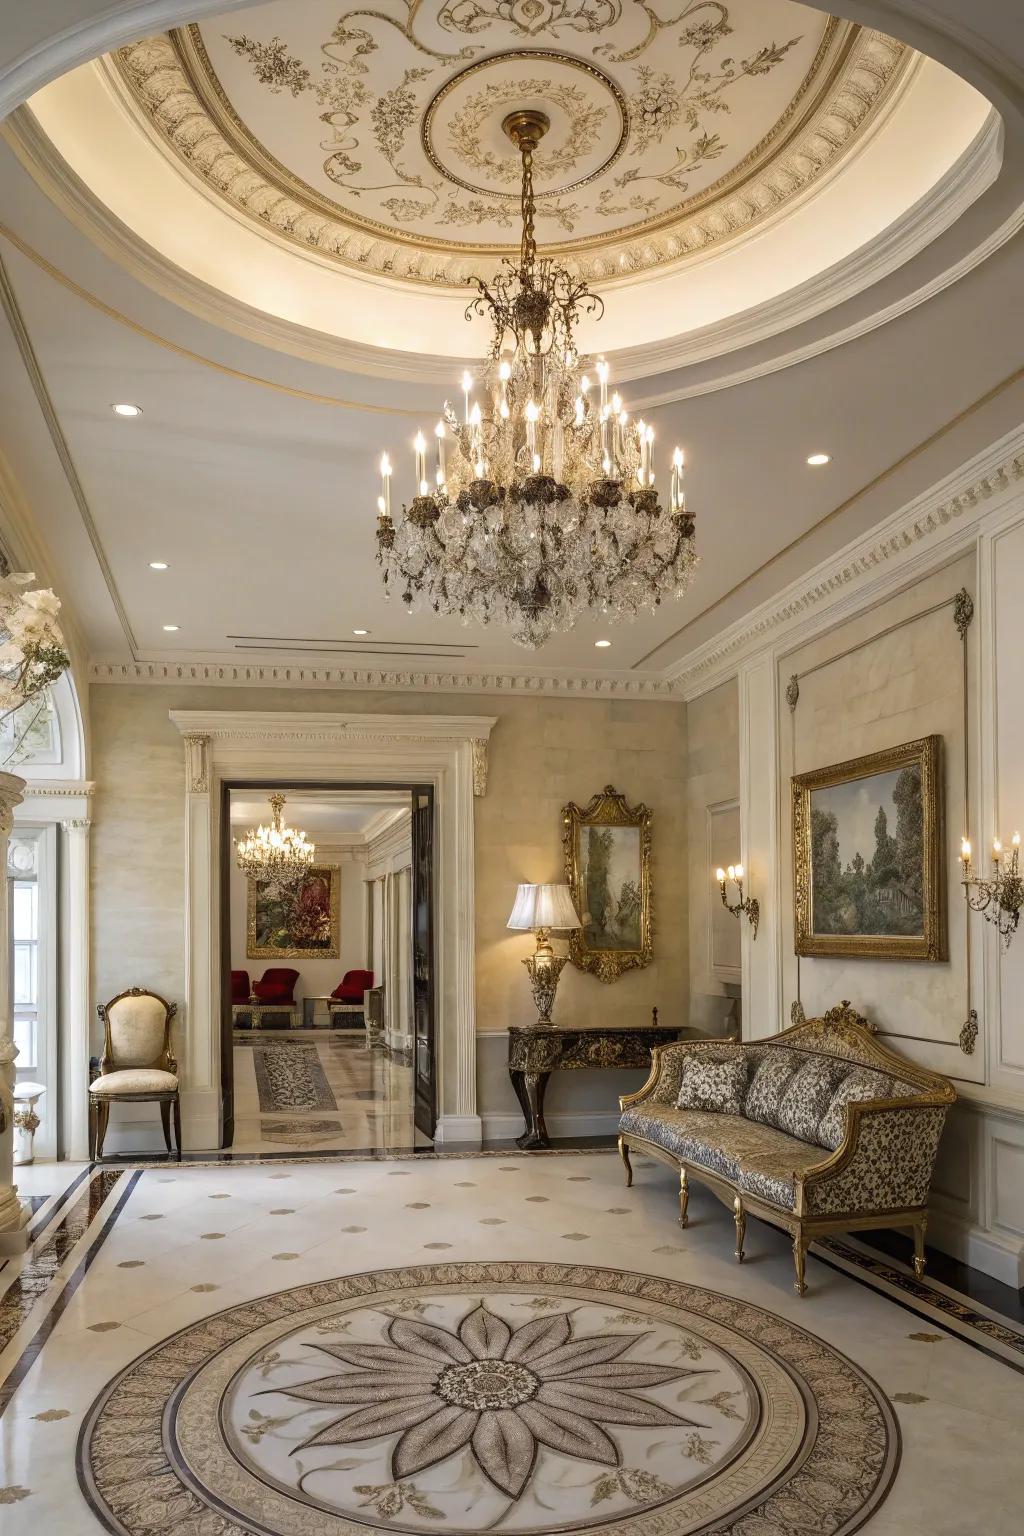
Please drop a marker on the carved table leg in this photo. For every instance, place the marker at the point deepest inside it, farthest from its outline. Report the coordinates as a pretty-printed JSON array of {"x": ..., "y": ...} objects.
[
  {"x": 684, "y": 1197},
  {"x": 624, "y": 1154},
  {"x": 531, "y": 1096},
  {"x": 740, "y": 1217}
]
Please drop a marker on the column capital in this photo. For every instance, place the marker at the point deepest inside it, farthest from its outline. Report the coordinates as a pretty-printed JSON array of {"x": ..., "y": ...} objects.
[
  {"x": 11, "y": 787},
  {"x": 76, "y": 824}
]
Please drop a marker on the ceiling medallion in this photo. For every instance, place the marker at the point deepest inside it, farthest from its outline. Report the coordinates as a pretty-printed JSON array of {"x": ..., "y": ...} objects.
[
  {"x": 277, "y": 856},
  {"x": 374, "y": 140},
  {"x": 543, "y": 504}
]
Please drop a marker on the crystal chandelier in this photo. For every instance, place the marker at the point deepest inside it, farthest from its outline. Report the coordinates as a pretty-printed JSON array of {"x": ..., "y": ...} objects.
[
  {"x": 542, "y": 502},
  {"x": 277, "y": 856}
]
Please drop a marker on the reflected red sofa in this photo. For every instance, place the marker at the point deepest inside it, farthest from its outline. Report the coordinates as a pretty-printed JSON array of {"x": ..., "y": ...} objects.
[
  {"x": 276, "y": 985},
  {"x": 352, "y": 985}
]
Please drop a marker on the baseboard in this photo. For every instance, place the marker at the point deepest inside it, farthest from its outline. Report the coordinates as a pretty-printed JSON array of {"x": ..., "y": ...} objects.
[
  {"x": 462, "y": 1130},
  {"x": 200, "y": 1119},
  {"x": 999, "y": 1257},
  {"x": 596, "y": 1122}
]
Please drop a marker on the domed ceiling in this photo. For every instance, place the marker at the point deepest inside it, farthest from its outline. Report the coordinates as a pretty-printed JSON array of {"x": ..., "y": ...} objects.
[{"x": 374, "y": 136}]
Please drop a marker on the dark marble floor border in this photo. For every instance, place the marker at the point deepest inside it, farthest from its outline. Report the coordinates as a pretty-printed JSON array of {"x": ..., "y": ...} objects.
[{"x": 32, "y": 1283}]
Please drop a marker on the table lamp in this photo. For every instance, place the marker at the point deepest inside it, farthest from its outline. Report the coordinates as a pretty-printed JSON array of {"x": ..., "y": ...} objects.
[{"x": 539, "y": 909}]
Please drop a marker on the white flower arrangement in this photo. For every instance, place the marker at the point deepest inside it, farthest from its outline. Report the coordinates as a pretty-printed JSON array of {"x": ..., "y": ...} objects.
[{"x": 32, "y": 655}]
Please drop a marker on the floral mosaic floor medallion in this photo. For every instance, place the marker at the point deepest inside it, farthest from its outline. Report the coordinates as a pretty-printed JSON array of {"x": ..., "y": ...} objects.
[{"x": 520, "y": 1397}]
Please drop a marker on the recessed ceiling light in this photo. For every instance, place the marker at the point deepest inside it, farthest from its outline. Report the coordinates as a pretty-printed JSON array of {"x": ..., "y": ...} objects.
[
  {"x": 360, "y": 631},
  {"x": 819, "y": 458},
  {"x": 125, "y": 409},
  {"x": 171, "y": 628},
  {"x": 158, "y": 565},
  {"x": 602, "y": 645}
]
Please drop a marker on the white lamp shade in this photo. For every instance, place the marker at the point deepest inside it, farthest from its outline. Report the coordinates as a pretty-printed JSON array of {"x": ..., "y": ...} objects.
[{"x": 544, "y": 906}]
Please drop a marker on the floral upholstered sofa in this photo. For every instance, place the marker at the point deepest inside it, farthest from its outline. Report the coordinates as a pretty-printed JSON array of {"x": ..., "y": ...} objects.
[{"x": 818, "y": 1130}]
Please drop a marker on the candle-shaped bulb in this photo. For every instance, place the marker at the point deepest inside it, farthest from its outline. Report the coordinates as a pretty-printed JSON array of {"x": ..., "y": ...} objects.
[
  {"x": 617, "y": 403},
  {"x": 385, "y": 465},
  {"x": 739, "y": 872},
  {"x": 997, "y": 847},
  {"x": 965, "y": 850},
  {"x": 439, "y": 430},
  {"x": 421, "y": 443},
  {"x": 504, "y": 370},
  {"x": 602, "y": 371},
  {"x": 720, "y": 876},
  {"x": 731, "y": 872},
  {"x": 531, "y": 411},
  {"x": 467, "y": 382},
  {"x": 649, "y": 436},
  {"x": 1015, "y": 840},
  {"x": 474, "y": 415},
  {"x": 380, "y": 505},
  {"x": 585, "y": 384},
  {"x": 641, "y": 428},
  {"x": 677, "y": 458}
]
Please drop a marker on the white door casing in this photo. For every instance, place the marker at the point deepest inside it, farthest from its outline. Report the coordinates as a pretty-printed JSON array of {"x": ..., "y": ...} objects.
[{"x": 446, "y": 751}]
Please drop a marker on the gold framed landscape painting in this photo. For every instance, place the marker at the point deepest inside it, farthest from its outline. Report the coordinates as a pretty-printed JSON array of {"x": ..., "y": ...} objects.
[
  {"x": 607, "y": 847},
  {"x": 868, "y": 856},
  {"x": 300, "y": 923}
]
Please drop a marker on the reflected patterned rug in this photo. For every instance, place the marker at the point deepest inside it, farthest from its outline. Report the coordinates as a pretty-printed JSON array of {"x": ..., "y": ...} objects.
[
  {"x": 470, "y": 1397},
  {"x": 300, "y": 1133},
  {"x": 289, "y": 1076}
]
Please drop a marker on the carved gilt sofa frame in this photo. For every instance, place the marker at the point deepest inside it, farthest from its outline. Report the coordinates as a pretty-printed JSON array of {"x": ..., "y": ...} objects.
[{"x": 879, "y": 1174}]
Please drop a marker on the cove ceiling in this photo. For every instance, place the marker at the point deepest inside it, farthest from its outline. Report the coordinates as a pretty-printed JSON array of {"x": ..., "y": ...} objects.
[{"x": 259, "y": 226}]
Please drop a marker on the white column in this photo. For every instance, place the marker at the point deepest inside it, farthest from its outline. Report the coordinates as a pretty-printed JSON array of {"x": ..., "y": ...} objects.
[
  {"x": 75, "y": 1065},
  {"x": 199, "y": 1039},
  {"x": 14, "y": 1214},
  {"x": 759, "y": 838}
]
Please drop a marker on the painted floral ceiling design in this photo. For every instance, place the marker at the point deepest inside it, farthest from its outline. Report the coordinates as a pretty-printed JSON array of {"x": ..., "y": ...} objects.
[{"x": 374, "y": 135}]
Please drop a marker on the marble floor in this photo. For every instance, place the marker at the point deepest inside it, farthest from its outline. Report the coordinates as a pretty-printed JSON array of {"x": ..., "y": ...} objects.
[
  {"x": 597, "y": 1367},
  {"x": 320, "y": 1091}
]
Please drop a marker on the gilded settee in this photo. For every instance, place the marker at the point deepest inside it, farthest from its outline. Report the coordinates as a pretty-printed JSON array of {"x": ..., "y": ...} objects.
[{"x": 829, "y": 1131}]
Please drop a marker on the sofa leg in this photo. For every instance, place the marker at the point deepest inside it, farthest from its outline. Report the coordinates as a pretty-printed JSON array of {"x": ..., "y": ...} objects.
[
  {"x": 624, "y": 1154},
  {"x": 684, "y": 1197},
  {"x": 799, "y": 1257},
  {"x": 920, "y": 1227},
  {"x": 740, "y": 1217}
]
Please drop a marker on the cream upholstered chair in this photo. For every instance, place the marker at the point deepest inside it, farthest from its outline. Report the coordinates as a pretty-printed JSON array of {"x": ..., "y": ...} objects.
[{"x": 137, "y": 1064}]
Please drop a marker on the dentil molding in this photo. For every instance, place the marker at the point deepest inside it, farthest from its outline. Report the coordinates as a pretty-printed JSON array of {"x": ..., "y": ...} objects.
[{"x": 569, "y": 684}]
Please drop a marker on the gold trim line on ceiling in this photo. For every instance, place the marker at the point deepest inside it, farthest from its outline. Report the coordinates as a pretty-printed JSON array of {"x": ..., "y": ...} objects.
[
  {"x": 313, "y": 396},
  {"x": 855, "y": 496}
]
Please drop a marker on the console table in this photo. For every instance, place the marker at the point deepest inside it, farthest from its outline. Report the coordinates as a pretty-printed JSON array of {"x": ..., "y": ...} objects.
[{"x": 535, "y": 1051}]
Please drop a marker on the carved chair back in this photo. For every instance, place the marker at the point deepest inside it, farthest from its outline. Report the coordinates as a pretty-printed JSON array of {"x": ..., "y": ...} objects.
[{"x": 137, "y": 1031}]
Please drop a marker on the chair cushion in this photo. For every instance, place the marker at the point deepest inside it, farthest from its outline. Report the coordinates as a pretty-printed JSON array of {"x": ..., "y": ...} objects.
[
  {"x": 808, "y": 1095},
  {"x": 276, "y": 985},
  {"x": 724, "y": 1144},
  {"x": 135, "y": 1080},
  {"x": 714, "y": 1085},
  {"x": 773, "y": 1177},
  {"x": 352, "y": 985},
  {"x": 859, "y": 1083},
  {"x": 769, "y": 1084}
]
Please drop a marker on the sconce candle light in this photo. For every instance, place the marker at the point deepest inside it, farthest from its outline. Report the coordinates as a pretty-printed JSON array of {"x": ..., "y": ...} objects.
[
  {"x": 999, "y": 899},
  {"x": 539, "y": 909},
  {"x": 750, "y": 905}
]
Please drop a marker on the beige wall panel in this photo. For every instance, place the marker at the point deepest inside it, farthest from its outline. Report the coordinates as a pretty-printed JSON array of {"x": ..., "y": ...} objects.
[
  {"x": 712, "y": 777},
  {"x": 543, "y": 752}
]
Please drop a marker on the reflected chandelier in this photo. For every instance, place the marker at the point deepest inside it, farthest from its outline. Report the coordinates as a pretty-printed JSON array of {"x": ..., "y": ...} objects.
[
  {"x": 543, "y": 501},
  {"x": 277, "y": 856}
]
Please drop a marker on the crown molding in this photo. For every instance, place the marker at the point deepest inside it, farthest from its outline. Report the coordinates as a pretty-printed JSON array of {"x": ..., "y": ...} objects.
[
  {"x": 926, "y": 532},
  {"x": 240, "y": 726},
  {"x": 569, "y": 684}
]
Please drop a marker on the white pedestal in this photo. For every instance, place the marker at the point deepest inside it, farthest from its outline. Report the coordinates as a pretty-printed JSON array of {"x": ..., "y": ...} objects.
[{"x": 26, "y": 1121}]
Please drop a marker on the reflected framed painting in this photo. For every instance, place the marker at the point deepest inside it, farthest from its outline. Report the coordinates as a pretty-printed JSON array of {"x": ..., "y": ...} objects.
[
  {"x": 302, "y": 922},
  {"x": 607, "y": 847},
  {"x": 868, "y": 856}
]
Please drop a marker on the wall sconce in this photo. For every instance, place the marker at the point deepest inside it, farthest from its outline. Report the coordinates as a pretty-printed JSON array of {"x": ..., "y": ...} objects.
[
  {"x": 999, "y": 899},
  {"x": 751, "y": 906},
  {"x": 538, "y": 909}
]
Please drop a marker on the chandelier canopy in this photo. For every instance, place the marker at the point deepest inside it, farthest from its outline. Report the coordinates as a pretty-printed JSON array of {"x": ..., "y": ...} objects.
[
  {"x": 277, "y": 856},
  {"x": 543, "y": 501}
]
